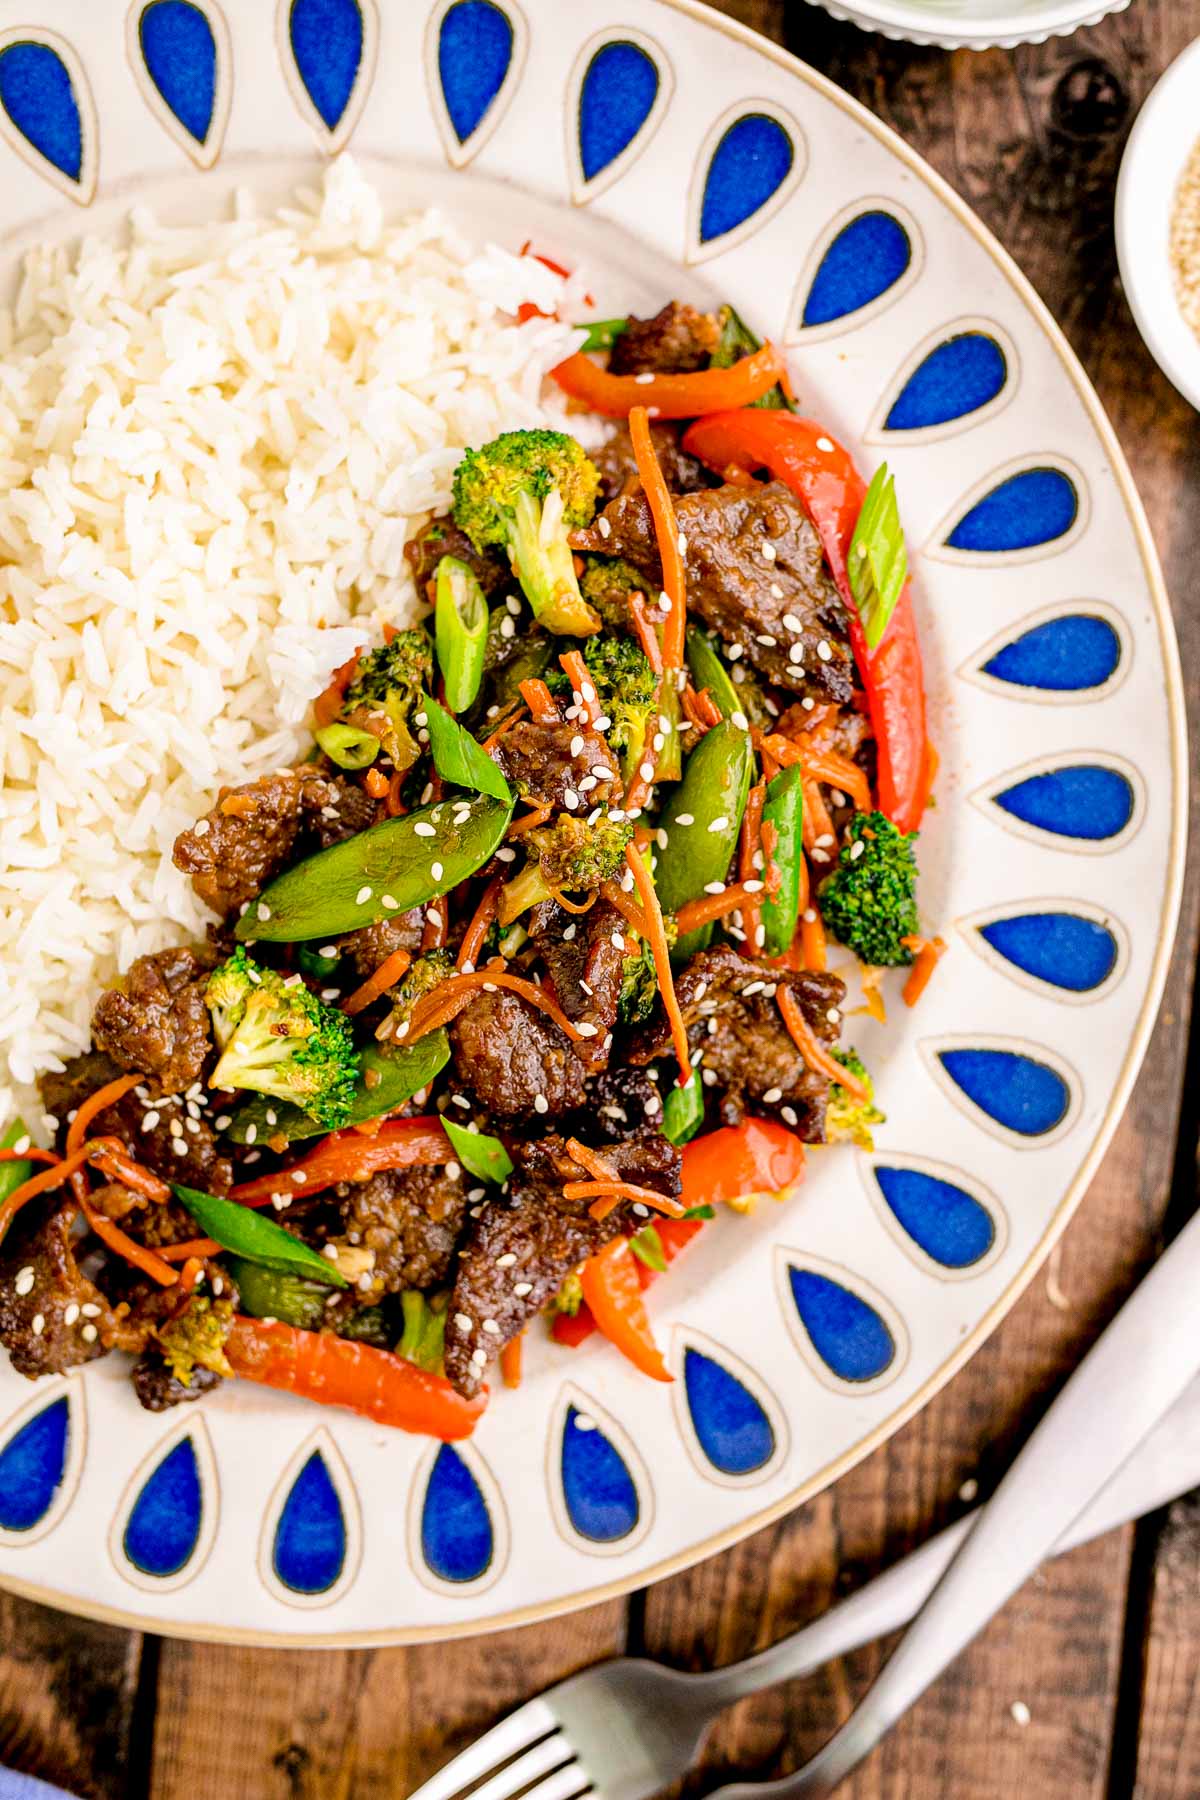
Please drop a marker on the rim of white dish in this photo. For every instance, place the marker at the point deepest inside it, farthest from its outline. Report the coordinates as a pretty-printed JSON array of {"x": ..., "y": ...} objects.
[
  {"x": 1002, "y": 27},
  {"x": 1162, "y": 138}
]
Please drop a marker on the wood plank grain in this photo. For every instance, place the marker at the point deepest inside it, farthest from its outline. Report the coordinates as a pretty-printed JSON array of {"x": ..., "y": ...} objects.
[
  {"x": 1033, "y": 140},
  {"x": 1168, "y": 1764},
  {"x": 67, "y": 1694},
  {"x": 331, "y": 1724}
]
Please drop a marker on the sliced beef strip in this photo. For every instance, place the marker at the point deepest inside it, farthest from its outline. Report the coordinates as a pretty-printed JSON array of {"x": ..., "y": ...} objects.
[
  {"x": 442, "y": 537},
  {"x": 585, "y": 967},
  {"x": 544, "y": 765},
  {"x": 335, "y": 808},
  {"x": 145, "y": 1125},
  {"x": 745, "y": 1042},
  {"x": 371, "y": 946},
  {"x": 158, "y": 1389},
  {"x": 744, "y": 595},
  {"x": 676, "y": 341},
  {"x": 411, "y": 1220},
  {"x": 43, "y": 1296},
  {"x": 545, "y": 1236},
  {"x": 507, "y": 1054},
  {"x": 618, "y": 465},
  {"x": 155, "y": 1022},
  {"x": 621, "y": 1100}
]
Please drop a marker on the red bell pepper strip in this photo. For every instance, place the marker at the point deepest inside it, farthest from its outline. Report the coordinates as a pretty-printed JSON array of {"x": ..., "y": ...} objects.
[
  {"x": 573, "y": 1329},
  {"x": 668, "y": 396},
  {"x": 333, "y": 1370},
  {"x": 821, "y": 473},
  {"x": 350, "y": 1156},
  {"x": 756, "y": 1157},
  {"x": 614, "y": 1297}
]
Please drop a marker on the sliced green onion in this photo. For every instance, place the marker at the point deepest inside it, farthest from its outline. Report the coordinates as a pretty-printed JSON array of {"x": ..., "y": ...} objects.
[
  {"x": 460, "y": 632},
  {"x": 458, "y": 758},
  {"x": 249, "y": 1235},
  {"x": 647, "y": 1247},
  {"x": 683, "y": 1111},
  {"x": 877, "y": 565},
  {"x": 347, "y": 746},
  {"x": 479, "y": 1154},
  {"x": 784, "y": 809},
  {"x": 13, "y": 1174},
  {"x": 602, "y": 334}
]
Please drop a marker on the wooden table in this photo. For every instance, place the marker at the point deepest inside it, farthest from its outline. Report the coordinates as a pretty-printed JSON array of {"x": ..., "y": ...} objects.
[{"x": 1103, "y": 1647}]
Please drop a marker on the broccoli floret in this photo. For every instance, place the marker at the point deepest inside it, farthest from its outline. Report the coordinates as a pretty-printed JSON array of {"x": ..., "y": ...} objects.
[
  {"x": 626, "y": 690},
  {"x": 288, "y": 1044},
  {"x": 606, "y": 584},
  {"x": 196, "y": 1337},
  {"x": 525, "y": 491},
  {"x": 869, "y": 902},
  {"x": 848, "y": 1120},
  {"x": 385, "y": 690},
  {"x": 424, "y": 1336},
  {"x": 226, "y": 994},
  {"x": 569, "y": 1297},
  {"x": 426, "y": 973},
  {"x": 639, "y": 986},
  {"x": 569, "y": 854}
]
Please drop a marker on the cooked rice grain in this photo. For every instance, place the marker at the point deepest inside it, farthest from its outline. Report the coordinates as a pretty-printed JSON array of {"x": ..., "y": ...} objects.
[{"x": 214, "y": 443}]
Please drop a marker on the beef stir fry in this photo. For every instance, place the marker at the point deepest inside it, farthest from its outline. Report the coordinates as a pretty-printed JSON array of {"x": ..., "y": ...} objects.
[{"x": 525, "y": 966}]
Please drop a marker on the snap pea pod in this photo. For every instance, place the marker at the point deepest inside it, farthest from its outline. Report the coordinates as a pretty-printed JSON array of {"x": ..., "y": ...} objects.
[
  {"x": 271, "y": 1294},
  {"x": 389, "y": 868},
  {"x": 784, "y": 808},
  {"x": 460, "y": 632},
  {"x": 479, "y": 1153},
  {"x": 255, "y": 1238},
  {"x": 458, "y": 757},
  {"x": 402, "y": 1073},
  {"x": 708, "y": 671},
  {"x": 701, "y": 819},
  {"x": 737, "y": 340},
  {"x": 13, "y": 1174}
]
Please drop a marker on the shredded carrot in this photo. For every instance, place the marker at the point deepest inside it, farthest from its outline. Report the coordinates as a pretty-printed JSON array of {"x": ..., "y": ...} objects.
[
  {"x": 576, "y": 672},
  {"x": 390, "y": 633},
  {"x": 328, "y": 705},
  {"x": 627, "y": 906},
  {"x": 395, "y": 802},
  {"x": 812, "y": 940},
  {"x": 477, "y": 930},
  {"x": 803, "y": 884},
  {"x": 61, "y": 1171},
  {"x": 123, "y": 1246},
  {"x": 770, "y": 764},
  {"x": 105, "y": 1096},
  {"x": 510, "y": 1361},
  {"x": 443, "y": 1003},
  {"x": 518, "y": 712},
  {"x": 872, "y": 987},
  {"x": 822, "y": 765},
  {"x": 194, "y": 1247},
  {"x": 622, "y": 1190},
  {"x": 131, "y": 1174},
  {"x": 376, "y": 784},
  {"x": 597, "y": 1166},
  {"x": 579, "y": 908},
  {"x": 656, "y": 937},
  {"x": 644, "y": 628},
  {"x": 700, "y": 709},
  {"x": 540, "y": 701},
  {"x": 713, "y": 906},
  {"x": 812, "y": 1049},
  {"x": 928, "y": 953},
  {"x": 193, "y": 1268},
  {"x": 529, "y": 821},
  {"x": 666, "y": 531},
  {"x": 817, "y": 823},
  {"x": 33, "y": 1154},
  {"x": 386, "y": 976}
]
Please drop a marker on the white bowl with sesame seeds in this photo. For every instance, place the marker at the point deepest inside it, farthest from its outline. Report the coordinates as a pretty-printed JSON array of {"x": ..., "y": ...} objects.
[
  {"x": 972, "y": 24},
  {"x": 1158, "y": 223}
]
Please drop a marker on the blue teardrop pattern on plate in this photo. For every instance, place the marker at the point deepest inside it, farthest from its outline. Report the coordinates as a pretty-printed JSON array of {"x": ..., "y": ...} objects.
[
  {"x": 1025, "y": 511},
  {"x": 1017, "y": 1090},
  {"x": 474, "y": 53},
  {"x": 959, "y": 376},
  {"x": 1070, "y": 654},
  {"x": 179, "y": 50},
  {"x": 328, "y": 38},
  {"x": 1084, "y": 802},
  {"x": 164, "y": 1523},
  {"x": 853, "y": 1340},
  {"x": 751, "y": 162},
  {"x": 616, "y": 97},
  {"x": 1063, "y": 949},
  {"x": 947, "y": 1222},
  {"x": 868, "y": 256},
  {"x": 310, "y": 1547},
  {"x": 599, "y": 1493},
  {"x": 38, "y": 95},
  {"x": 457, "y": 1538},
  {"x": 33, "y": 1464},
  {"x": 731, "y": 1424}
]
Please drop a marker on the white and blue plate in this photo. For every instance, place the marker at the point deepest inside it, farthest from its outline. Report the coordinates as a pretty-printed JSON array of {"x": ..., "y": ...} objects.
[{"x": 683, "y": 157}]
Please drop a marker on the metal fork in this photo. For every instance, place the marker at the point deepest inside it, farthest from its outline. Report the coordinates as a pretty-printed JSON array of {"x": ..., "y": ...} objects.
[{"x": 630, "y": 1727}]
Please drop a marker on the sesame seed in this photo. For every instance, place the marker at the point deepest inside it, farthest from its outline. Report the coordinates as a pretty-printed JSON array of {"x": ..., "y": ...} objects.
[
  {"x": 328, "y": 994},
  {"x": 740, "y": 720},
  {"x": 720, "y": 823},
  {"x": 462, "y": 1323},
  {"x": 768, "y": 553},
  {"x": 193, "y": 1126},
  {"x": 435, "y": 870},
  {"x": 331, "y": 1251},
  {"x": 453, "y": 1169},
  {"x": 833, "y": 1015},
  {"x": 24, "y": 1282},
  {"x": 540, "y": 1103},
  {"x": 594, "y": 814},
  {"x": 823, "y": 650},
  {"x": 685, "y": 818},
  {"x": 792, "y": 622},
  {"x": 1020, "y": 1712},
  {"x": 570, "y": 800},
  {"x": 507, "y": 1260},
  {"x": 423, "y": 829},
  {"x": 569, "y": 932},
  {"x": 605, "y": 528},
  {"x": 733, "y": 652},
  {"x": 476, "y": 1193},
  {"x": 616, "y": 815},
  {"x": 251, "y": 1133},
  {"x": 618, "y": 942},
  {"x": 39, "y": 1325},
  {"x": 513, "y": 605},
  {"x": 588, "y": 990},
  {"x": 708, "y": 1077},
  {"x": 22, "y": 1144},
  {"x": 714, "y": 887},
  {"x": 764, "y": 637},
  {"x": 808, "y": 703},
  {"x": 505, "y": 854},
  {"x": 795, "y": 653},
  {"x": 788, "y": 1115},
  {"x": 601, "y": 771},
  {"x": 821, "y": 856},
  {"x": 856, "y": 849},
  {"x": 89, "y": 1334},
  {"x": 460, "y": 1100},
  {"x": 150, "y": 1120},
  {"x": 587, "y": 1030},
  {"x": 263, "y": 910},
  {"x": 588, "y": 783},
  {"x": 825, "y": 444},
  {"x": 577, "y": 745},
  {"x": 491, "y": 1327},
  {"x": 643, "y": 379},
  {"x": 521, "y": 1288},
  {"x": 760, "y": 936},
  {"x": 200, "y": 828},
  {"x": 479, "y": 1357},
  {"x": 826, "y": 838},
  {"x": 175, "y": 1127},
  {"x": 682, "y": 544},
  {"x": 362, "y": 896},
  {"x": 508, "y": 627},
  {"x": 90, "y": 1310},
  {"x": 299, "y": 1176},
  {"x": 753, "y": 987},
  {"x": 603, "y": 722},
  {"x": 772, "y": 1095}
]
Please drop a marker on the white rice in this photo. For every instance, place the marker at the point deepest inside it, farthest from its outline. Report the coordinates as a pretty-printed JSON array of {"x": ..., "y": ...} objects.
[{"x": 214, "y": 443}]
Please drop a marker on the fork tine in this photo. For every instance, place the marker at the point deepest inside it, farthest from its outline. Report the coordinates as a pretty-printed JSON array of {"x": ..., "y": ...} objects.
[
  {"x": 564, "y": 1784},
  {"x": 530, "y": 1722},
  {"x": 544, "y": 1757}
]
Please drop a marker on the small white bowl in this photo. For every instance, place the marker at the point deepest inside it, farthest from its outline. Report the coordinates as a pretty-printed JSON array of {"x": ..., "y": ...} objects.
[
  {"x": 1159, "y": 145},
  {"x": 973, "y": 24}
]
